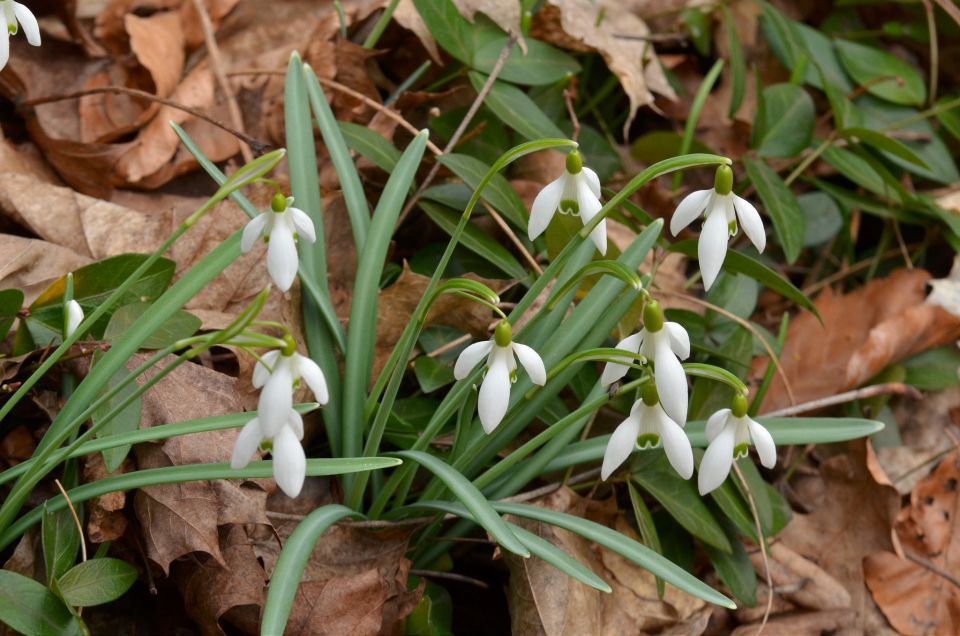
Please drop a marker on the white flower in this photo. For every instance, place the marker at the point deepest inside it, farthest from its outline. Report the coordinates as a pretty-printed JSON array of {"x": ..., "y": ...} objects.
[
  {"x": 278, "y": 373},
  {"x": 663, "y": 343},
  {"x": 10, "y": 14},
  {"x": 730, "y": 433},
  {"x": 280, "y": 226},
  {"x": 499, "y": 351},
  {"x": 646, "y": 427},
  {"x": 74, "y": 316},
  {"x": 576, "y": 191},
  {"x": 723, "y": 209}
]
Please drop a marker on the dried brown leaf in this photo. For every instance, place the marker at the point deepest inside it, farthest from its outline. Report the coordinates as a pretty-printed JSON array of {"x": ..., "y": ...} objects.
[{"x": 30, "y": 265}]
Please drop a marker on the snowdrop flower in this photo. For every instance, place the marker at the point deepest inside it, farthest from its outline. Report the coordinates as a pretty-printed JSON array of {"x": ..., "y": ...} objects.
[
  {"x": 576, "y": 191},
  {"x": 74, "y": 316},
  {"x": 665, "y": 343},
  {"x": 280, "y": 228},
  {"x": 722, "y": 209},
  {"x": 10, "y": 14},
  {"x": 730, "y": 432},
  {"x": 277, "y": 373},
  {"x": 646, "y": 427},
  {"x": 501, "y": 372}
]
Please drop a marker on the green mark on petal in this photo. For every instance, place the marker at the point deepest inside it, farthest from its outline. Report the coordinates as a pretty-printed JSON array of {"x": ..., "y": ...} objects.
[
  {"x": 569, "y": 206},
  {"x": 648, "y": 440},
  {"x": 741, "y": 450}
]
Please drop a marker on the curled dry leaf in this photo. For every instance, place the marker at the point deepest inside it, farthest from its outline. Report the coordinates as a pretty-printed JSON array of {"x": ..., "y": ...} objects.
[
  {"x": 106, "y": 520},
  {"x": 801, "y": 581},
  {"x": 30, "y": 265},
  {"x": 923, "y": 598},
  {"x": 863, "y": 332},
  {"x": 545, "y": 601}
]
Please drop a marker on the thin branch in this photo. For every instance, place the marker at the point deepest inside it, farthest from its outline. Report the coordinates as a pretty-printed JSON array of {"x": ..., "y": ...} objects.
[
  {"x": 455, "y": 139},
  {"x": 527, "y": 256},
  {"x": 76, "y": 520},
  {"x": 549, "y": 488},
  {"x": 450, "y": 576},
  {"x": 257, "y": 145},
  {"x": 574, "y": 120},
  {"x": 746, "y": 325},
  {"x": 215, "y": 63},
  {"x": 897, "y": 388},
  {"x": 919, "y": 560},
  {"x": 763, "y": 547},
  {"x": 376, "y": 524}
]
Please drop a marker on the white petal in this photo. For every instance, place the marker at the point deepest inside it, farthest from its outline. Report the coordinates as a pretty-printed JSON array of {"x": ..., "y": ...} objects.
[
  {"x": 296, "y": 424},
  {"x": 716, "y": 462},
  {"x": 276, "y": 400},
  {"x": 282, "y": 259},
  {"x": 715, "y": 423},
  {"x": 613, "y": 371},
  {"x": 470, "y": 357},
  {"x": 679, "y": 339},
  {"x": 593, "y": 181},
  {"x": 263, "y": 367},
  {"x": 544, "y": 207},
  {"x": 621, "y": 444},
  {"x": 289, "y": 462},
  {"x": 252, "y": 231},
  {"x": 494, "y": 395},
  {"x": 74, "y": 316},
  {"x": 671, "y": 380},
  {"x": 246, "y": 445},
  {"x": 712, "y": 248},
  {"x": 677, "y": 445},
  {"x": 532, "y": 362},
  {"x": 29, "y": 23},
  {"x": 589, "y": 206},
  {"x": 763, "y": 441},
  {"x": 689, "y": 209},
  {"x": 313, "y": 376},
  {"x": 303, "y": 224},
  {"x": 750, "y": 222},
  {"x": 4, "y": 42}
]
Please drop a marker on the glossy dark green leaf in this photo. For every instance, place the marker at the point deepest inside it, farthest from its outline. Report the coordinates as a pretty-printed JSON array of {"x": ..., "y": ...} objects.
[
  {"x": 780, "y": 204},
  {"x": 661, "y": 144},
  {"x": 933, "y": 370},
  {"x": 431, "y": 374},
  {"x": 128, "y": 419},
  {"x": 790, "y": 40},
  {"x": 178, "y": 326},
  {"x": 700, "y": 28},
  {"x": 11, "y": 300},
  {"x": 824, "y": 219},
  {"x": 736, "y": 571},
  {"x": 61, "y": 541},
  {"x": 883, "y": 142},
  {"x": 541, "y": 64},
  {"x": 516, "y": 109},
  {"x": 950, "y": 119},
  {"x": 883, "y": 74},
  {"x": 787, "y": 121},
  {"x": 30, "y": 608},
  {"x": 647, "y": 528},
  {"x": 738, "y": 68},
  {"x": 96, "y": 582},
  {"x": 680, "y": 498},
  {"x": 450, "y": 29},
  {"x": 499, "y": 193}
]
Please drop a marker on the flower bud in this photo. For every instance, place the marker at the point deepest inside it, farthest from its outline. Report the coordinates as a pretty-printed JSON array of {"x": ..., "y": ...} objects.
[
  {"x": 652, "y": 316},
  {"x": 723, "y": 181},
  {"x": 503, "y": 334}
]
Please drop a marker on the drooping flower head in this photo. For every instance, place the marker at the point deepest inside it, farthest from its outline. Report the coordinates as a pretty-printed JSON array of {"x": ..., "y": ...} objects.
[
  {"x": 730, "y": 433},
  {"x": 499, "y": 351},
  {"x": 722, "y": 209},
  {"x": 12, "y": 13},
  {"x": 576, "y": 192},
  {"x": 665, "y": 343},
  {"x": 277, "y": 374},
  {"x": 280, "y": 227},
  {"x": 648, "y": 426}
]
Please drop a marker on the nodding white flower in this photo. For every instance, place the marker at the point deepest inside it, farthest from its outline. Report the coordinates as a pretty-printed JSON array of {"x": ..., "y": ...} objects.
[
  {"x": 280, "y": 227},
  {"x": 499, "y": 351},
  {"x": 665, "y": 343},
  {"x": 10, "y": 14},
  {"x": 648, "y": 426},
  {"x": 730, "y": 433},
  {"x": 289, "y": 460},
  {"x": 74, "y": 317},
  {"x": 277, "y": 373},
  {"x": 576, "y": 191},
  {"x": 722, "y": 209}
]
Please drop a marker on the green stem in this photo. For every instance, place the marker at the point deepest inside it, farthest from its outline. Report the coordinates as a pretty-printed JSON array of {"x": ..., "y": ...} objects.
[{"x": 809, "y": 159}]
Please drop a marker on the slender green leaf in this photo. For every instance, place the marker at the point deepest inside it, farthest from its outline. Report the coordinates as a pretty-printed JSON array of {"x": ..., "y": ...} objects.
[
  {"x": 180, "y": 325},
  {"x": 646, "y": 526},
  {"x": 126, "y": 420},
  {"x": 703, "y": 91},
  {"x": 475, "y": 240},
  {"x": 249, "y": 173},
  {"x": 291, "y": 563},
  {"x": 61, "y": 541},
  {"x": 499, "y": 193},
  {"x": 371, "y": 145},
  {"x": 738, "y": 68},
  {"x": 736, "y": 571},
  {"x": 883, "y": 142},
  {"x": 471, "y": 498},
  {"x": 30, "y": 608},
  {"x": 516, "y": 109},
  {"x": 780, "y": 204},
  {"x": 96, "y": 582}
]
